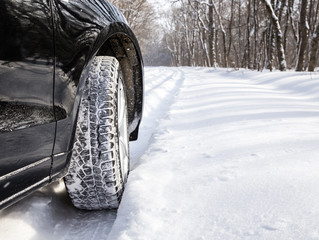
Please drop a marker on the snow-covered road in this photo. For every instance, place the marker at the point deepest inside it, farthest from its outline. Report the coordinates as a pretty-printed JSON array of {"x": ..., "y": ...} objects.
[{"x": 221, "y": 155}]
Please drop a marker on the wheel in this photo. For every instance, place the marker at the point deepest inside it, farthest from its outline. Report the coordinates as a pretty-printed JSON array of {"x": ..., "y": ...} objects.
[{"x": 100, "y": 158}]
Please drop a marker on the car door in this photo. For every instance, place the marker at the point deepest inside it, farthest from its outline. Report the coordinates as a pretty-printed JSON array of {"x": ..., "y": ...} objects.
[{"x": 27, "y": 122}]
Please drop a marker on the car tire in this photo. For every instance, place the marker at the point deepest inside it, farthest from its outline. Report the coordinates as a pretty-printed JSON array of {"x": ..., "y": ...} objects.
[{"x": 99, "y": 163}]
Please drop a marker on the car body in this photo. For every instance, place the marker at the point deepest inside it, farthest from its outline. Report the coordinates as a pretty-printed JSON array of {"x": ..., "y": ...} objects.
[{"x": 46, "y": 49}]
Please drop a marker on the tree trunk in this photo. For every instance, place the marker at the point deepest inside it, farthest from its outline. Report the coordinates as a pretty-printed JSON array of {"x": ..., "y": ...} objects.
[
  {"x": 303, "y": 38},
  {"x": 247, "y": 52},
  {"x": 278, "y": 35},
  {"x": 230, "y": 35},
  {"x": 220, "y": 23},
  {"x": 211, "y": 37},
  {"x": 239, "y": 33},
  {"x": 314, "y": 50},
  {"x": 256, "y": 28}
]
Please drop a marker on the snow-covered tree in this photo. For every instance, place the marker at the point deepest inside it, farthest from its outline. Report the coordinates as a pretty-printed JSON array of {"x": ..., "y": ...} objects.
[
  {"x": 278, "y": 35},
  {"x": 303, "y": 36},
  {"x": 254, "y": 34}
]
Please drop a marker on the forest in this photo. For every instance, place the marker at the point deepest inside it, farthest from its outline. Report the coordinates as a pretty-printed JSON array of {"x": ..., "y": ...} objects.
[{"x": 251, "y": 34}]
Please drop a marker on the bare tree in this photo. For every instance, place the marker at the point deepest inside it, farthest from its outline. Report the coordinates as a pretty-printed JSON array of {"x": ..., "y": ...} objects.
[
  {"x": 278, "y": 35},
  {"x": 314, "y": 50},
  {"x": 303, "y": 36},
  {"x": 256, "y": 34},
  {"x": 211, "y": 37}
]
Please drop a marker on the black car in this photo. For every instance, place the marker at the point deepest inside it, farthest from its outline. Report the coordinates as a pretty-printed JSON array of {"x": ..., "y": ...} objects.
[{"x": 71, "y": 93}]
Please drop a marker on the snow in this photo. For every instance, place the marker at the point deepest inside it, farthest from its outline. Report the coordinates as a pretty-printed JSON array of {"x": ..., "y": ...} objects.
[{"x": 221, "y": 155}]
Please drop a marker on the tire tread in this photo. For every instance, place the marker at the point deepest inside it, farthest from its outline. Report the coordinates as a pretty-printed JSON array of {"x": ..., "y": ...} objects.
[{"x": 94, "y": 178}]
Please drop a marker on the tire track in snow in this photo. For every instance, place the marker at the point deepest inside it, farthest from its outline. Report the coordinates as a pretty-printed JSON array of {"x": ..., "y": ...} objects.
[
  {"x": 163, "y": 84},
  {"x": 161, "y": 79},
  {"x": 158, "y": 100},
  {"x": 87, "y": 225}
]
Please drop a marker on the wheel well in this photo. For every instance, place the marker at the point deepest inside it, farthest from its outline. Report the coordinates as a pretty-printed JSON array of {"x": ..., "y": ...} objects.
[{"x": 123, "y": 49}]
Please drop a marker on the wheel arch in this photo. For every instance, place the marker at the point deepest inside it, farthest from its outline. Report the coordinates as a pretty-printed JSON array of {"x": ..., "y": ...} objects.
[
  {"x": 125, "y": 49},
  {"x": 111, "y": 37}
]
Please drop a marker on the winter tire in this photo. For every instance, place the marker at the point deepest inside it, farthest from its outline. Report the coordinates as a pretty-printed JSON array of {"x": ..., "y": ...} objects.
[{"x": 100, "y": 159}]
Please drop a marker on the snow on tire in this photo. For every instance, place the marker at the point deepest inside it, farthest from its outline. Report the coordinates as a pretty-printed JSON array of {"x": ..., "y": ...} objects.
[{"x": 100, "y": 158}]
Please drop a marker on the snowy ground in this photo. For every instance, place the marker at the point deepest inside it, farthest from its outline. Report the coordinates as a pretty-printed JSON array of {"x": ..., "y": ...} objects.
[{"x": 222, "y": 155}]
